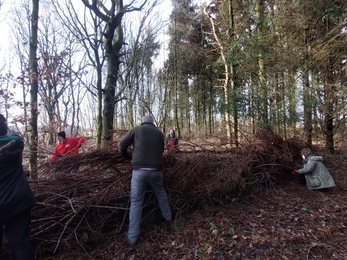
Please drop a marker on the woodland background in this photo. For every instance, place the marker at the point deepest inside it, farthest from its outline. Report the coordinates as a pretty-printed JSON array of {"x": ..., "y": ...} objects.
[
  {"x": 90, "y": 67},
  {"x": 245, "y": 83}
]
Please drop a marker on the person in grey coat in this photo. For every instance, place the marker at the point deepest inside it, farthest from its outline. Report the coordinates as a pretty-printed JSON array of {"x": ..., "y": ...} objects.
[
  {"x": 147, "y": 162},
  {"x": 316, "y": 174}
]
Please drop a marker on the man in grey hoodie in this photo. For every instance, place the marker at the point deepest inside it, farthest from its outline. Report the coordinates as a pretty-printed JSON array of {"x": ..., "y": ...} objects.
[{"x": 147, "y": 162}]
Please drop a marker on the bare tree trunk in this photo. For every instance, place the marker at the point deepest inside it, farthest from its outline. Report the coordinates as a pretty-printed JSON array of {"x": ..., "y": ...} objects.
[
  {"x": 225, "y": 85},
  {"x": 175, "y": 80},
  {"x": 113, "y": 41},
  {"x": 307, "y": 98},
  {"x": 234, "y": 139},
  {"x": 112, "y": 51},
  {"x": 33, "y": 90},
  {"x": 264, "y": 117},
  {"x": 330, "y": 99},
  {"x": 99, "y": 107},
  {"x": 292, "y": 101}
]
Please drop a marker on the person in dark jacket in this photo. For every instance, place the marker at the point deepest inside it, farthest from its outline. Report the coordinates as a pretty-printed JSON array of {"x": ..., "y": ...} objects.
[
  {"x": 147, "y": 162},
  {"x": 316, "y": 174},
  {"x": 171, "y": 140},
  {"x": 16, "y": 197}
]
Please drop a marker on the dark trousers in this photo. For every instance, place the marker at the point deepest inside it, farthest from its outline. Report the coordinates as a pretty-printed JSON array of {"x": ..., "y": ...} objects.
[
  {"x": 16, "y": 229},
  {"x": 302, "y": 179}
]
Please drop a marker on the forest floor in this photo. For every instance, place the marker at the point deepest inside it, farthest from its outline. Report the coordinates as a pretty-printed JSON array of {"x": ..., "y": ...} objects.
[
  {"x": 284, "y": 221},
  {"x": 287, "y": 221}
]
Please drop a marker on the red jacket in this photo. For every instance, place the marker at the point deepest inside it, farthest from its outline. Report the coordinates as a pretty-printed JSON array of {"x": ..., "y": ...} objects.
[
  {"x": 69, "y": 146},
  {"x": 171, "y": 142}
]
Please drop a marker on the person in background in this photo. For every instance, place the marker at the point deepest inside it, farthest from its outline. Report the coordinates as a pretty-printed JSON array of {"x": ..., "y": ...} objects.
[
  {"x": 147, "y": 162},
  {"x": 316, "y": 174},
  {"x": 171, "y": 140},
  {"x": 67, "y": 146},
  {"x": 16, "y": 196}
]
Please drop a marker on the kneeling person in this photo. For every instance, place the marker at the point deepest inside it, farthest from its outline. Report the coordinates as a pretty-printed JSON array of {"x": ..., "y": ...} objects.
[{"x": 316, "y": 174}]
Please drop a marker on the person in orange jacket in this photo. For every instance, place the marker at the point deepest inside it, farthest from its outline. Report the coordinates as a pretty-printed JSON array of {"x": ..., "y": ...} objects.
[{"x": 66, "y": 146}]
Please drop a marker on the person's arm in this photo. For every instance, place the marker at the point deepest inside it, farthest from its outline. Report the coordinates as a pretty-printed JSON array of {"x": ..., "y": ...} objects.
[
  {"x": 81, "y": 140},
  {"x": 125, "y": 142},
  {"x": 11, "y": 145},
  {"x": 73, "y": 143},
  {"x": 7, "y": 146},
  {"x": 308, "y": 167}
]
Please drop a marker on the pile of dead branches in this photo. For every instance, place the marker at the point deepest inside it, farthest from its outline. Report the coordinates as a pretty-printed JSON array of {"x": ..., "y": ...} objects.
[{"x": 80, "y": 211}]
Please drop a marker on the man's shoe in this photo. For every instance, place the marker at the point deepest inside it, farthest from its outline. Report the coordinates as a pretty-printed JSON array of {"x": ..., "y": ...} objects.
[
  {"x": 169, "y": 226},
  {"x": 127, "y": 241}
]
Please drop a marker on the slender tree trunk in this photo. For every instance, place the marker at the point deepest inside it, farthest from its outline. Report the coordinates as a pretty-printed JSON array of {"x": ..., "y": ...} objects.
[
  {"x": 175, "y": 92},
  {"x": 25, "y": 112},
  {"x": 234, "y": 106},
  {"x": 225, "y": 85},
  {"x": 276, "y": 106},
  {"x": 264, "y": 117},
  {"x": 329, "y": 93},
  {"x": 292, "y": 100},
  {"x": 99, "y": 108},
  {"x": 99, "y": 92},
  {"x": 307, "y": 98},
  {"x": 210, "y": 111},
  {"x": 283, "y": 107},
  {"x": 176, "y": 119},
  {"x": 33, "y": 89}
]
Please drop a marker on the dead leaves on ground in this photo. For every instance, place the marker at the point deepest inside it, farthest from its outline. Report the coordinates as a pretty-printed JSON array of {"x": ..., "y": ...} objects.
[{"x": 84, "y": 216}]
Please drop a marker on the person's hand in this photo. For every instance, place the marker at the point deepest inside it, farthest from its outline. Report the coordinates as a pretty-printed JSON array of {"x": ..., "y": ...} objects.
[{"x": 295, "y": 172}]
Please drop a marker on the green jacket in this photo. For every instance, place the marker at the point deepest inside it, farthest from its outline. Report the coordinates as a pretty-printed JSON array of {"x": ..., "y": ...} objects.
[
  {"x": 316, "y": 174},
  {"x": 148, "y": 146}
]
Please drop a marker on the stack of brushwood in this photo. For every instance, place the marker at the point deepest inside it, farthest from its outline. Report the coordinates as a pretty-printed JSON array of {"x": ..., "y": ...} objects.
[{"x": 77, "y": 211}]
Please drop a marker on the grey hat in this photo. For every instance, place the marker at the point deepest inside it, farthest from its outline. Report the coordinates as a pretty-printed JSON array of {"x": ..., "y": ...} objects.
[{"x": 147, "y": 119}]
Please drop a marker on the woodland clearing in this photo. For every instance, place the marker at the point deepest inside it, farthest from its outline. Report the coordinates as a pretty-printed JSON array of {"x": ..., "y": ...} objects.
[{"x": 228, "y": 204}]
